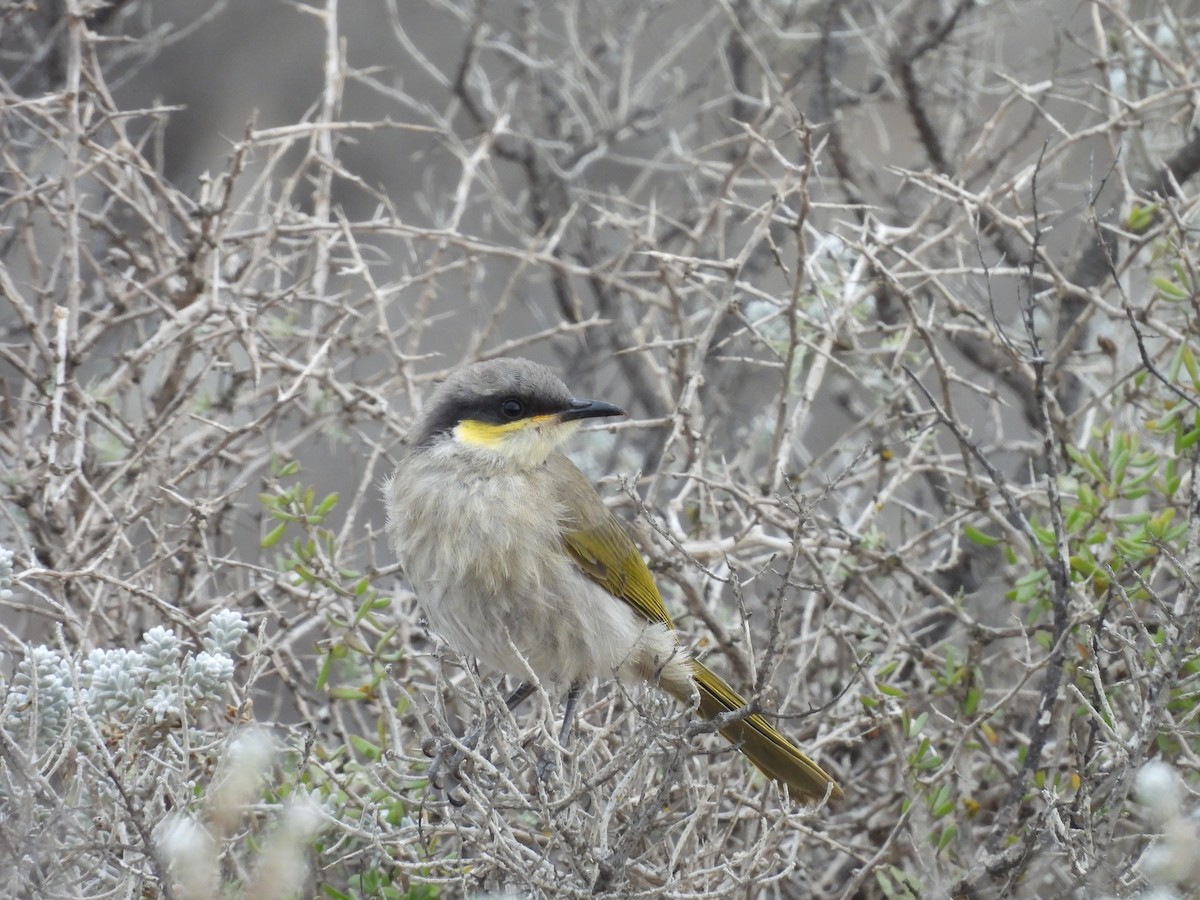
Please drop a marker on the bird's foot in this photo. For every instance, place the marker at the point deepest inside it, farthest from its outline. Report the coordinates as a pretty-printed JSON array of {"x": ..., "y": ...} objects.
[
  {"x": 546, "y": 765},
  {"x": 445, "y": 771},
  {"x": 547, "y": 760}
]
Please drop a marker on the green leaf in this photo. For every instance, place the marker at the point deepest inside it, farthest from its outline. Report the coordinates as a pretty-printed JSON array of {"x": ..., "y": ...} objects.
[
  {"x": 323, "y": 674},
  {"x": 1045, "y": 536},
  {"x": 1119, "y": 464},
  {"x": 1158, "y": 525},
  {"x": 1174, "y": 533},
  {"x": 358, "y": 693},
  {"x": 975, "y": 536},
  {"x": 273, "y": 535},
  {"x": 940, "y": 801},
  {"x": 1184, "y": 440},
  {"x": 1169, "y": 290},
  {"x": 365, "y": 747},
  {"x": 1037, "y": 576},
  {"x": 1139, "y": 480},
  {"x": 887, "y": 668},
  {"x": 1133, "y": 551},
  {"x": 971, "y": 702},
  {"x": 1076, "y": 520},
  {"x": 1141, "y": 217},
  {"x": 1083, "y": 565},
  {"x": 364, "y": 609},
  {"x": 286, "y": 470},
  {"x": 921, "y": 751},
  {"x": 918, "y": 724},
  {"x": 1087, "y": 497}
]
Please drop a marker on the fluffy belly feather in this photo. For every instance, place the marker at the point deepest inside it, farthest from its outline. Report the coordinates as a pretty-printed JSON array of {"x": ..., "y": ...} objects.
[{"x": 503, "y": 590}]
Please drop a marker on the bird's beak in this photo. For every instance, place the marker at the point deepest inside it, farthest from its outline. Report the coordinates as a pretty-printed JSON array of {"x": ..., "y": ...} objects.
[{"x": 589, "y": 409}]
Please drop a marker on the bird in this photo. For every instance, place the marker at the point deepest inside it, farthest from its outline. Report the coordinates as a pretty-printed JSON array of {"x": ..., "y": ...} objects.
[{"x": 516, "y": 560}]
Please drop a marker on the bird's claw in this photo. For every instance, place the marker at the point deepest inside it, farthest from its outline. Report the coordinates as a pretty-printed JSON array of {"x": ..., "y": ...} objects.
[
  {"x": 546, "y": 765},
  {"x": 447, "y": 760}
]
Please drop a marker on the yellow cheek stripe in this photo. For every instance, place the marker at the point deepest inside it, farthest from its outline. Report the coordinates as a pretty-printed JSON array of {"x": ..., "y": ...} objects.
[{"x": 485, "y": 434}]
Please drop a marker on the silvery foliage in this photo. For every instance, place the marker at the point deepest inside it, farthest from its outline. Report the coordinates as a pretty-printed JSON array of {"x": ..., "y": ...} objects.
[
  {"x": 6, "y": 570},
  {"x": 1173, "y": 859},
  {"x": 162, "y": 682}
]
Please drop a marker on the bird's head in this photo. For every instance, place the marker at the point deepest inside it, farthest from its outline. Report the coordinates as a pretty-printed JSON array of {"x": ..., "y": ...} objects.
[{"x": 503, "y": 411}]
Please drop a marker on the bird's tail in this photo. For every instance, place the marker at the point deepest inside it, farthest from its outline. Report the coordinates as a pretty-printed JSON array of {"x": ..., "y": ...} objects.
[{"x": 776, "y": 756}]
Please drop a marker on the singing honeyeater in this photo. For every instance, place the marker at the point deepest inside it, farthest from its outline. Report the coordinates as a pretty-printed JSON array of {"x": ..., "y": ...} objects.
[{"x": 516, "y": 560}]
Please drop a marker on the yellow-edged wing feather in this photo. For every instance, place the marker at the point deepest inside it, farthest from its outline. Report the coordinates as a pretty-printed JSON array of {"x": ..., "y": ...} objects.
[{"x": 599, "y": 544}]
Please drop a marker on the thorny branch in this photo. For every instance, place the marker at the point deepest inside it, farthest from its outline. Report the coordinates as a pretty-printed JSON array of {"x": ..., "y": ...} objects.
[{"x": 902, "y": 299}]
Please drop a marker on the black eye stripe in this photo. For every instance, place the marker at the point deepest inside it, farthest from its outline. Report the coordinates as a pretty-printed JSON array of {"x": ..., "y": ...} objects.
[{"x": 490, "y": 409}]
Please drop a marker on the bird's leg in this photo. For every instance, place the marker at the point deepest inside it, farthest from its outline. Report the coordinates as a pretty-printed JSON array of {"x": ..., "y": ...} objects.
[
  {"x": 444, "y": 757},
  {"x": 518, "y": 696},
  {"x": 568, "y": 725},
  {"x": 449, "y": 757},
  {"x": 546, "y": 763}
]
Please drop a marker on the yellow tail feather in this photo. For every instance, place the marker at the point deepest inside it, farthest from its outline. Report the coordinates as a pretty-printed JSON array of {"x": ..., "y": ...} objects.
[{"x": 777, "y": 757}]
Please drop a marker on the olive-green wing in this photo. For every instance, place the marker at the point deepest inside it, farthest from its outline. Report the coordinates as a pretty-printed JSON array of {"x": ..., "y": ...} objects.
[{"x": 599, "y": 544}]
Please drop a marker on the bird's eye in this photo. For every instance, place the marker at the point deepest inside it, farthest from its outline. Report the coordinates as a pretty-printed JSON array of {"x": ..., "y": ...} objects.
[{"x": 512, "y": 408}]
